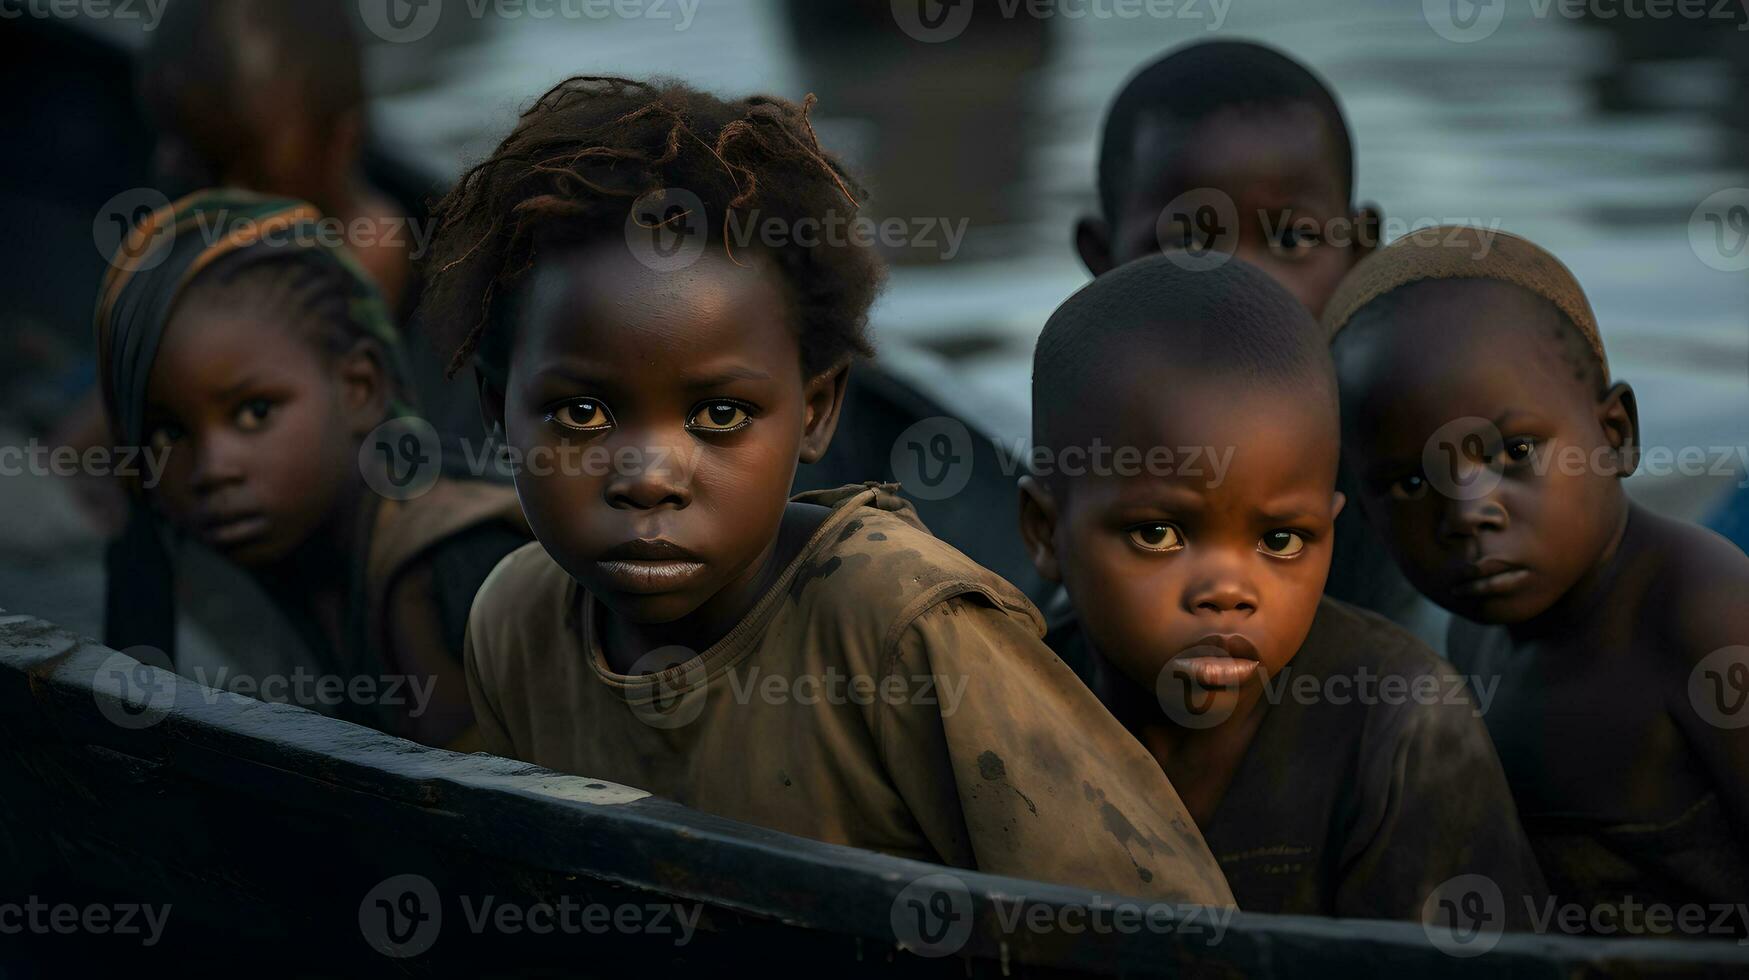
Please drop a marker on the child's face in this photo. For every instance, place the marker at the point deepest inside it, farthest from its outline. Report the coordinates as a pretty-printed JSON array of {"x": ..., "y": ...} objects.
[
  {"x": 1278, "y": 168},
  {"x": 1482, "y": 454},
  {"x": 1167, "y": 568},
  {"x": 661, "y": 416},
  {"x": 262, "y": 431}
]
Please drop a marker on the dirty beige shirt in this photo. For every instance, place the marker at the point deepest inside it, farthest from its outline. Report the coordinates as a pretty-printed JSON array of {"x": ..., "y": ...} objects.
[{"x": 886, "y": 693}]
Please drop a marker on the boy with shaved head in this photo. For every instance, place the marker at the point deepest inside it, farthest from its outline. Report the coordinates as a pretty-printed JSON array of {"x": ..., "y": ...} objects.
[{"x": 1334, "y": 764}]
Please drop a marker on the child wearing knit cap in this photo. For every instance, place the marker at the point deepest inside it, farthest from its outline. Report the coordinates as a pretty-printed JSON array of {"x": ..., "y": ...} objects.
[{"x": 1490, "y": 446}]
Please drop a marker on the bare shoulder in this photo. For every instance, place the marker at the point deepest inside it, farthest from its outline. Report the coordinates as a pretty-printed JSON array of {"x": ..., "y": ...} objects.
[{"x": 1700, "y": 595}]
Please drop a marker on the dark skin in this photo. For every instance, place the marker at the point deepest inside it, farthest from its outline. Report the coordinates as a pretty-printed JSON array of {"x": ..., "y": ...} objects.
[
  {"x": 1595, "y": 611},
  {"x": 1157, "y": 563},
  {"x": 695, "y": 377},
  {"x": 263, "y": 430},
  {"x": 1278, "y": 166}
]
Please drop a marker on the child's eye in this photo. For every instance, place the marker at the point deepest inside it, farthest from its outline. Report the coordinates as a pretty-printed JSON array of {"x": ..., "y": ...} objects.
[
  {"x": 1281, "y": 544},
  {"x": 1294, "y": 241},
  {"x": 1156, "y": 537},
  {"x": 719, "y": 417},
  {"x": 581, "y": 415},
  {"x": 253, "y": 414},
  {"x": 164, "y": 436},
  {"x": 1520, "y": 448},
  {"x": 1412, "y": 487}
]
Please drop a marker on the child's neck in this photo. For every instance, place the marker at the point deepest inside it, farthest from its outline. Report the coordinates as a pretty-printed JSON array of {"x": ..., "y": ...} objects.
[
  {"x": 323, "y": 566},
  {"x": 1578, "y": 607},
  {"x": 1200, "y": 763}
]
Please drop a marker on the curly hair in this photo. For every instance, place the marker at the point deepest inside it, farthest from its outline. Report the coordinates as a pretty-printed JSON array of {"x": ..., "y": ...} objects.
[{"x": 569, "y": 175}]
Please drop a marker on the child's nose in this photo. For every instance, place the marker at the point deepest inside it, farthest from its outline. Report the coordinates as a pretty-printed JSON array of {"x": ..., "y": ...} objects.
[
  {"x": 218, "y": 462},
  {"x": 1221, "y": 591},
  {"x": 646, "y": 476},
  {"x": 1466, "y": 517}
]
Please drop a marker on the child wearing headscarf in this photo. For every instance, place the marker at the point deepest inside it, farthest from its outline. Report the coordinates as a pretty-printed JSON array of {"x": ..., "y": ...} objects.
[{"x": 262, "y": 361}]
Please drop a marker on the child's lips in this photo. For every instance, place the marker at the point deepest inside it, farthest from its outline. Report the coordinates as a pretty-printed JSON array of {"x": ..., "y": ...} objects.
[
  {"x": 1490, "y": 577},
  {"x": 230, "y": 530},
  {"x": 1218, "y": 660},
  {"x": 648, "y": 567}
]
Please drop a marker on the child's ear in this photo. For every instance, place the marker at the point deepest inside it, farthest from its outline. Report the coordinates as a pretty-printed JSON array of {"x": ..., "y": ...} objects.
[
  {"x": 1038, "y": 528},
  {"x": 1369, "y": 222},
  {"x": 824, "y": 399},
  {"x": 1338, "y": 500},
  {"x": 1093, "y": 243},
  {"x": 1619, "y": 414},
  {"x": 364, "y": 387}
]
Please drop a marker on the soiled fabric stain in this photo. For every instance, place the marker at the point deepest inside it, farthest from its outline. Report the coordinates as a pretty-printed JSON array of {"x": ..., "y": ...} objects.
[
  {"x": 876, "y": 536},
  {"x": 993, "y": 769},
  {"x": 976, "y": 707},
  {"x": 815, "y": 570},
  {"x": 1119, "y": 826},
  {"x": 849, "y": 531}
]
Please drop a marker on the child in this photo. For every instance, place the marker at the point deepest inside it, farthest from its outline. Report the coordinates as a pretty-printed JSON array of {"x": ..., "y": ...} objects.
[
  {"x": 270, "y": 97},
  {"x": 1198, "y": 590},
  {"x": 1491, "y": 446},
  {"x": 821, "y": 666},
  {"x": 1244, "y": 125},
  {"x": 1234, "y": 124},
  {"x": 259, "y": 360}
]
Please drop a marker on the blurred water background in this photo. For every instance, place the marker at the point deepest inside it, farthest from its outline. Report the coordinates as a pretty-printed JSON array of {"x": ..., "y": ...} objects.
[{"x": 1598, "y": 139}]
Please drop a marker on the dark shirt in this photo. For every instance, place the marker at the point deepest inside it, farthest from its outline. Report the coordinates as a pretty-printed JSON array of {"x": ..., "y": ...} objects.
[{"x": 1362, "y": 798}]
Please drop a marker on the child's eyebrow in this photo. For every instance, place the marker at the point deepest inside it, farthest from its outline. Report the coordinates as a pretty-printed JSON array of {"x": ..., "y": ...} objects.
[
  {"x": 1161, "y": 493},
  {"x": 1286, "y": 515},
  {"x": 248, "y": 381},
  {"x": 717, "y": 379}
]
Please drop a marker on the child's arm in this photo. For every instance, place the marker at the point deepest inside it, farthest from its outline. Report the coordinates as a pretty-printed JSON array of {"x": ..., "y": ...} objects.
[
  {"x": 1010, "y": 765},
  {"x": 1709, "y": 689}
]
